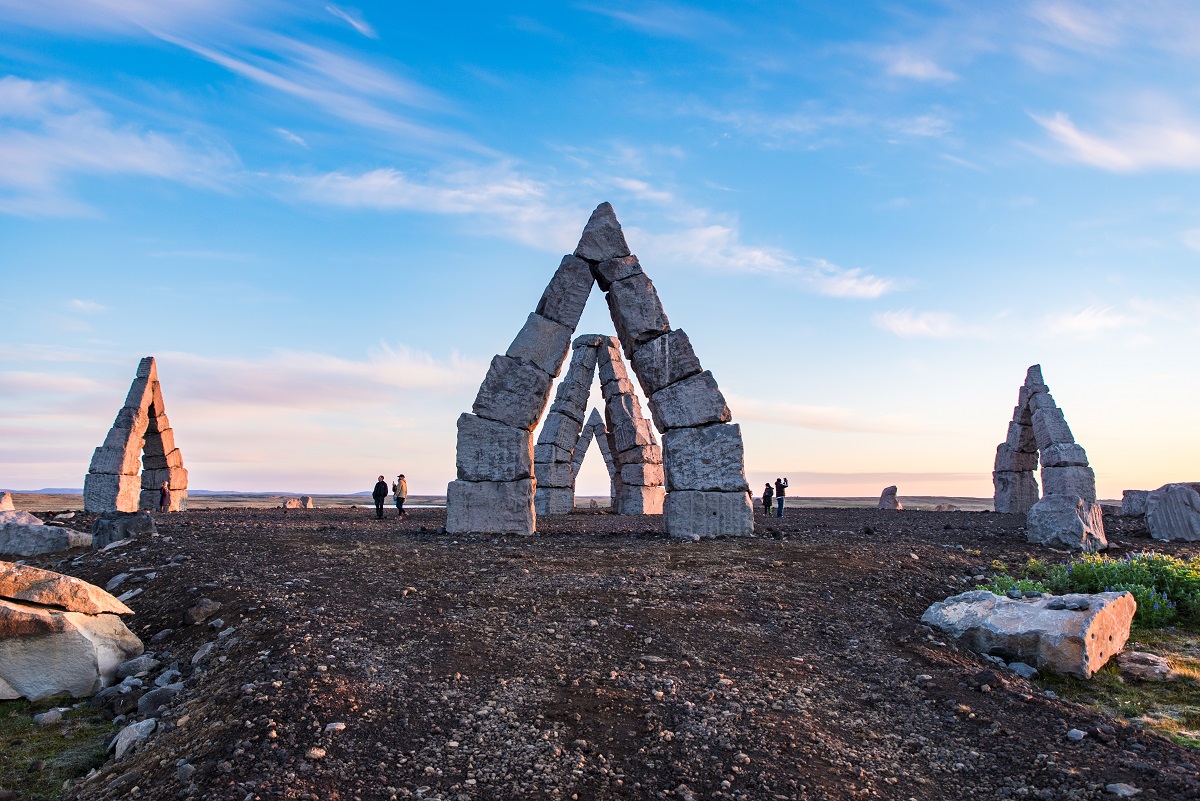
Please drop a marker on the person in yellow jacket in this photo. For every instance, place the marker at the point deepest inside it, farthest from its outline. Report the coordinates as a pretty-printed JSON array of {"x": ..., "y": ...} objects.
[{"x": 400, "y": 490}]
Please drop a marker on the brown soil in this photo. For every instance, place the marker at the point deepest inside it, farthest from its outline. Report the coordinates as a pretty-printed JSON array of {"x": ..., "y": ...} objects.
[{"x": 599, "y": 660}]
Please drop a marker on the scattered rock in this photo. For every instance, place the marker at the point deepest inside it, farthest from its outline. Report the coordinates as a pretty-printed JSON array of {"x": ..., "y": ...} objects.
[
  {"x": 1145, "y": 667},
  {"x": 1122, "y": 790},
  {"x": 112, "y": 527},
  {"x": 137, "y": 666},
  {"x": 202, "y": 611},
  {"x": 131, "y": 737},
  {"x": 49, "y": 717}
]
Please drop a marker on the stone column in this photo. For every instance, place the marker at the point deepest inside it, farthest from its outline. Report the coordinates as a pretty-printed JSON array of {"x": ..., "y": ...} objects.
[{"x": 637, "y": 457}]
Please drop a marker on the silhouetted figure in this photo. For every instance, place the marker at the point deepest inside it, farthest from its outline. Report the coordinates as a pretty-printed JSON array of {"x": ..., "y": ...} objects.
[
  {"x": 380, "y": 495},
  {"x": 781, "y": 486},
  {"x": 768, "y": 498},
  {"x": 164, "y": 497}
]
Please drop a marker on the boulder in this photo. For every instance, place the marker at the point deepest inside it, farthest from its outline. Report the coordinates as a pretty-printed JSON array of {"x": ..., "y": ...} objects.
[
  {"x": 1066, "y": 521},
  {"x": 1063, "y": 455},
  {"x": 292, "y": 503},
  {"x": 513, "y": 392},
  {"x": 945, "y": 507},
  {"x": 567, "y": 292},
  {"x": 306, "y": 502},
  {"x": 47, "y": 588},
  {"x": 553, "y": 500},
  {"x": 1009, "y": 460},
  {"x": 21, "y": 518},
  {"x": 104, "y": 492},
  {"x": 664, "y": 360},
  {"x": 695, "y": 401},
  {"x": 1016, "y": 493},
  {"x": 602, "y": 238},
  {"x": 490, "y": 507},
  {"x": 542, "y": 343},
  {"x": 888, "y": 500},
  {"x": 6, "y": 502},
  {"x": 1142, "y": 666},
  {"x": 635, "y": 499},
  {"x": 22, "y": 534},
  {"x": 700, "y": 515},
  {"x": 1133, "y": 502},
  {"x": 45, "y": 651},
  {"x": 201, "y": 611},
  {"x": 706, "y": 458},
  {"x": 1173, "y": 512},
  {"x": 636, "y": 312},
  {"x": 112, "y": 526},
  {"x": 132, "y": 736},
  {"x": 1073, "y": 635},
  {"x": 1050, "y": 428},
  {"x": 1073, "y": 480},
  {"x": 492, "y": 451}
]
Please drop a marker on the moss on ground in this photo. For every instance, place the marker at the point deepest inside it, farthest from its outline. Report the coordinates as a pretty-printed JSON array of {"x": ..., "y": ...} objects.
[{"x": 37, "y": 760}]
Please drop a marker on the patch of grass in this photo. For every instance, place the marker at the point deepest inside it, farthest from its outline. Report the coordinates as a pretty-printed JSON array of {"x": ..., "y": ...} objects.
[{"x": 36, "y": 760}]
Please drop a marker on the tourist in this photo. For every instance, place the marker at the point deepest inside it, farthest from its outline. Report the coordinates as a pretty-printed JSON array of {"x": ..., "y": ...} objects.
[
  {"x": 780, "y": 491},
  {"x": 400, "y": 490},
  {"x": 380, "y": 495},
  {"x": 164, "y": 497},
  {"x": 768, "y": 495}
]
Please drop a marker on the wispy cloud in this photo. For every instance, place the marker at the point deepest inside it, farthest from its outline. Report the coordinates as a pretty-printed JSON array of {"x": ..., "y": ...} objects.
[
  {"x": 291, "y": 137},
  {"x": 86, "y": 306},
  {"x": 354, "y": 18},
  {"x": 667, "y": 20},
  {"x": 926, "y": 325},
  {"x": 1158, "y": 143},
  {"x": 1086, "y": 324},
  {"x": 901, "y": 63},
  {"x": 820, "y": 418}
]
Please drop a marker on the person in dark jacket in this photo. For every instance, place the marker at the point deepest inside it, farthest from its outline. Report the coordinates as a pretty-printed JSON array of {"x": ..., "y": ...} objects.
[
  {"x": 768, "y": 497},
  {"x": 164, "y": 497},
  {"x": 780, "y": 490},
  {"x": 380, "y": 494}
]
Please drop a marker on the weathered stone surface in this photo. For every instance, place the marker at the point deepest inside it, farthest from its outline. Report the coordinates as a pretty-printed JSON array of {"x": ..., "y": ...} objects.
[
  {"x": 1064, "y": 455},
  {"x": 201, "y": 611},
  {"x": 292, "y": 503},
  {"x": 1074, "y": 480},
  {"x": 543, "y": 343},
  {"x": 695, "y": 401},
  {"x": 609, "y": 362},
  {"x": 24, "y": 518},
  {"x": 606, "y": 272},
  {"x": 554, "y": 474},
  {"x": 513, "y": 392},
  {"x": 945, "y": 507},
  {"x": 1133, "y": 502},
  {"x": 103, "y": 492},
  {"x": 700, "y": 515},
  {"x": 173, "y": 458},
  {"x": 1016, "y": 493},
  {"x": 176, "y": 478},
  {"x": 888, "y": 500},
  {"x": 708, "y": 458},
  {"x": 110, "y": 527},
  {"x": 47, "y": 588},
  {"x": 554, "y": 500},
  {"x": 560, "y": 431},
  {"x": 1020, "y": 438},
  {"x": 31, "y": 539},
  {"x": 602, "y": 238},
  {"x": 1075, "y": 642},
  {"x": 664, "y": 360},
  {"x": 306, "y": 502},
  {"x": 136, "y": 419},
  {"x": 575, "y": 411},
  {"x": 1011, "y": 461},
  {"x": 635, "y": 499},
  {"x": 131, "y": 737},
  {"x": 148, "y": 500},
  {"x": 567, "y": 292},
  {"x": 1142, "y": 666},
  {"x": 621, "y": 386},
  {"x": 1050, "y": 428},
  {"x": 640, "y": 454},
  {"x": 625, "y": 424},
  {"x": 1173, "y": 512},
  {"x": 551, "y": 453},
  {"x": 6, "y": 502},
  {"x": 492, "y": 451},
  {"x": 1066, "y": 521},
  {"x": 46, "y": 651},
  {"x": 159, "y": 443},
  {"x": 636, "y": 312},
  {"x": 589, "y": 341},
  {"x": 116, "y": 461},
  {"x": 645, "y": 475},
  {"x": 1041, "y": 401},
  {"x": 574, "y": 394},
  {"x": 490, "y": 507}
]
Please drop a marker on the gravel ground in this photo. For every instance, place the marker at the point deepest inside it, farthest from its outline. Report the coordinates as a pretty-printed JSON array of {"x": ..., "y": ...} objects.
[{"x": 362, "y": 659}]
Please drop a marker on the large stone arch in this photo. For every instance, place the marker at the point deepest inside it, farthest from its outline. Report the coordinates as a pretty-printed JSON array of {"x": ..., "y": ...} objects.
[
  {"x": 141, "y": 433},
  {"x": 702, "y": 455}
]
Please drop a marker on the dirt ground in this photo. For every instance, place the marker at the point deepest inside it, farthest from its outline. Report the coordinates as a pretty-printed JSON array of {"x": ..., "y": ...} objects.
[{"x": 599, "y": 660}]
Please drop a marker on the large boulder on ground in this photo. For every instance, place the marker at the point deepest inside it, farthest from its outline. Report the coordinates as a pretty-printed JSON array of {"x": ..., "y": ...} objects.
[
  {"x": 888, "y": 499},
  {"x": 22, "y": 534},
  {"x": 1066, "y": 521},
  {"x": 1070, "y": 634},
  {"x": 1173, "y": 512},
  {"x": 1133, "y": 502},
  {"x": 6, "y": 502},
  {"x": 33, "y": 585},
  {"x": 292, "y": 503},
  {"x": 110, "y": 527}
]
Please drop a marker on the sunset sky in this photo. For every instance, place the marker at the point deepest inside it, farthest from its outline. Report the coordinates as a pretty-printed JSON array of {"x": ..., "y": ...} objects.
[{"x": 870, "y": 218}]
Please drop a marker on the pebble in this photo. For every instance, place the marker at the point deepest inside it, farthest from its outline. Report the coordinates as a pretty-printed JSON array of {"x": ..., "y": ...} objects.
[
  {"x": 48, "y": 718},
  {"x": 315, "y": 753},
  {"x": 1076, "y": 735},
  {"x": 334, "y": 727},
  {"x": 1122, "y": 790}
]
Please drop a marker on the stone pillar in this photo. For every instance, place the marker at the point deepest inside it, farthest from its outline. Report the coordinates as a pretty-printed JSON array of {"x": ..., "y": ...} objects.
[{"x": 636, "y": 455}]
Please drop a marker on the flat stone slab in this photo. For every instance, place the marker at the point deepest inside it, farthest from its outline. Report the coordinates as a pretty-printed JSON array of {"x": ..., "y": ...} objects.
[
  {"x": 702, "y": 515},
  {"x": 513, "y": 392},
  {"x": 32, "y": 539},
  {"x": 47, "y": 588},
  {"x": 665, "y": 360},
  {"x": 567, "y": 292},
  {"x": 1066, "y": 521},
  {"x": 636, "y": 312},
  {"x": 543, "y": 343},
  {"x": 490, "y": 507},
  {"x": 1173, "y": 512},
  {"x": 708, "y": 458},
  {"x": 695, "y": 401},
  {"x": 492, "y": 451}
]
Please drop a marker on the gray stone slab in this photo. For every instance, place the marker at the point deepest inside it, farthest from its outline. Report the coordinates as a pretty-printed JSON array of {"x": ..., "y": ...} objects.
[
  {"x": 639, "y": 500},
  {"x": 111, "y": 493},
  {"x": 561, "y": 431},
  {"x": 1033, "y": 376},
  {"x": 513, "y": 392},
  {"x": 1064, "y": 455},
  {"x": 1050, "y": 428},
  {"x": 157, "y": 423},
  {"x": 636, "y": 312},
  {"x": 148, "y": 500},
  {"x": 1173, "y": 512},
  {"x": 1015, "y": 493},
  {"x": 588, "y": 340},
  {"x": 602, "y": 238},
  {"x": 542, "y": 342},
  {"x": 490, "y": 507},
  {"x": 664, "y": 360},
  {"x": 707, "y": 458},
  {"x": 554, "y": 474},
  {"x": 136, "y": 419},
  {"x": 701, "y": 515},
  {"x": 642, "y": 475},
  {"x": 553, "y": 500},
  {"x": 607, "y": 272},
  {"x": 609, "y": 363},
  {"x": 551, "y": 453},
  {"x": 116, "y": 461},
  {"x": 172, "y": 459},
  {"x": 1066, "y": 521},
  {"x": 1020, "y": 438},
  {"x": 1008, "y": 460},
  {"x": 567, "y": 292},
  {"x": 695, "y": 401},
  {"x": 1076, "y": 480},
  {"x": 621, "y": 386},
  {"x": 574, "y": 392},
  {"x": 625, "y": 424},
  {"x": 176, "y": 478},
  {"x": 159, "y": 443},
  {"x": 569, "y": 408},
  {"x": 492, "y": 451},
  {"x": 1133, "y": 502},
  {"x": 640, "y": 454}
]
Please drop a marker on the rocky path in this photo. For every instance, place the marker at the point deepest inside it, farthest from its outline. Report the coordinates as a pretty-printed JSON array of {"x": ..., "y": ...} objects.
[{"x": 361, "y": 659}]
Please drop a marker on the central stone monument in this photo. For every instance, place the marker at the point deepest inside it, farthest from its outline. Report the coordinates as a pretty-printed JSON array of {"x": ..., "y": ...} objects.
[{"x": 701, "y": 460}]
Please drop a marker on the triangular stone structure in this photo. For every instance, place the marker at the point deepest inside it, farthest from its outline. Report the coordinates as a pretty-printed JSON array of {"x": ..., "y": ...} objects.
[
  {"x": 594, "y": 430},
  {"x": 702, "y": 456},
  {"x": 142, "y": 438},
  {"x": 1067, "y": 515}
]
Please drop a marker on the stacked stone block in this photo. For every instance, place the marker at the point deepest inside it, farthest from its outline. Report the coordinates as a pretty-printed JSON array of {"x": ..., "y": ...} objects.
[
  {"x": 141, "y": 437},
  {"x": 553, "y": 456},
  {"x": 637, "y": 457},
  {"x": 1067, "y": 514}
]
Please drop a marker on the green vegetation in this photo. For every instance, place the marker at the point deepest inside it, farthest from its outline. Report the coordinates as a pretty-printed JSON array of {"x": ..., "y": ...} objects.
[{"x": 37, "y": 760}]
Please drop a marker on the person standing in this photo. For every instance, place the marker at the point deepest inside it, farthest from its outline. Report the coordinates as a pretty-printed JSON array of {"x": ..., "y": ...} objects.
[
  {"x": 400, "y": 490},
  {"x": 380, "y": 495},
  {"x": 768, "y": 496},
  {"x": 780, "y": 491},
  {"x": 164, "y": 497}
]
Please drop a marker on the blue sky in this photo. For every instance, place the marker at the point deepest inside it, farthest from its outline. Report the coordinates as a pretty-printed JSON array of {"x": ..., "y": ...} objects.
[{"x": 869, "y": 217}]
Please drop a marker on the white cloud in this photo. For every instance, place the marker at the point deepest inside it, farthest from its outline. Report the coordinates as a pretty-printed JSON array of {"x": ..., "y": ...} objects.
[
  {"x": 668, "y": 20},
  {"x": 927, "y": 325},
  {"x": 820, "y": 418},
  {"x": 1160, "y": 143},
  {"x": 88, "y": 306},
  {"x": 291, "y": 137},
  {"x": 354, "y": 18},
  {"x": 1087, "y": 324},
  {"x": 904, "y": 64},
  {"x": 1076, "y": 23}
]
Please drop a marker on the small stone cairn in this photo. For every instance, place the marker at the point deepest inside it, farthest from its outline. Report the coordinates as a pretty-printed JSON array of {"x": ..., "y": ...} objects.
[
  {"x": 141, "y": 430},
  {"x": 1067, "y": 515}
]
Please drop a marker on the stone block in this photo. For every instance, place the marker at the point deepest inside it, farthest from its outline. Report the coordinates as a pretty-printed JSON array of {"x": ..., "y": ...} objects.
[
  {"x": 1173, "y": 512},
  {"x": 634, "y": 499},
  {"x": 568, "y": 409},
  {"x": 583, "y": 357},
  {"x": 588, "y": 341},
  {"x": 116, "y": 461},
  {"x": 551, "y": 453},
  {"x": 574, "y": 392},
  {"x": 636, "y": 312},
  {"x": 103, "y": 492},
  {"x": 159, "y": 443},
  {"x": 665, "y": 360},
  {"x": 553, "y": 500},
  {"x": 701, "y": 515},
  {"x": 492, "y": 451},
  {"x": 541, "y": 342},
  {"x": 1063, "y": 455},
  {"x": 148, "y": 500},
  {"x": 490, "y": 507},
  {"x": 695, "y": 401},
  {"x": 26, "y": 584},
  {"x": 1010, "y": 461},
  {"x": 567, "y": 292},
  {"x": 706, "y": 458},
  {"x": 176, "y": 478},
  {"x": 513, "y": 392},
  {"x": 1050, "y": 428},
  {"x": 640, "y": 454},
  {"x": 621, "y": 386},
  {"x": 625, "y": 424},
  {"x": 1033, "y": 376},
  {"x": 141, "y": 393},
  {"x": 172, "y": 459},
  {"x": 619, "y": 269},
  {"x": 1041, "y": 401},
  {"x": 602, "y": 238},
  {"x": 157, "y": 423},
  {"x": 21, "y": 539},
  {"x": 1074, "y": 480},
  {"x": 554, "y": 474},
  {"x": 560, "y": 431},
  {"x": 124, "y": 439},
  {"x": 642, "y": 475},
  {"x": 6, "y": 502},
  {"x": 1021, "y": 438},
  {"x": 112, "y": 527},
  {"x": 1015, "y": 492},
  {"x": 610, "y": 364},
  {"x": 1133, "y": 502},
  {"x": 1066, "y": 521},
  {"x": 137, "y": 419}
]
